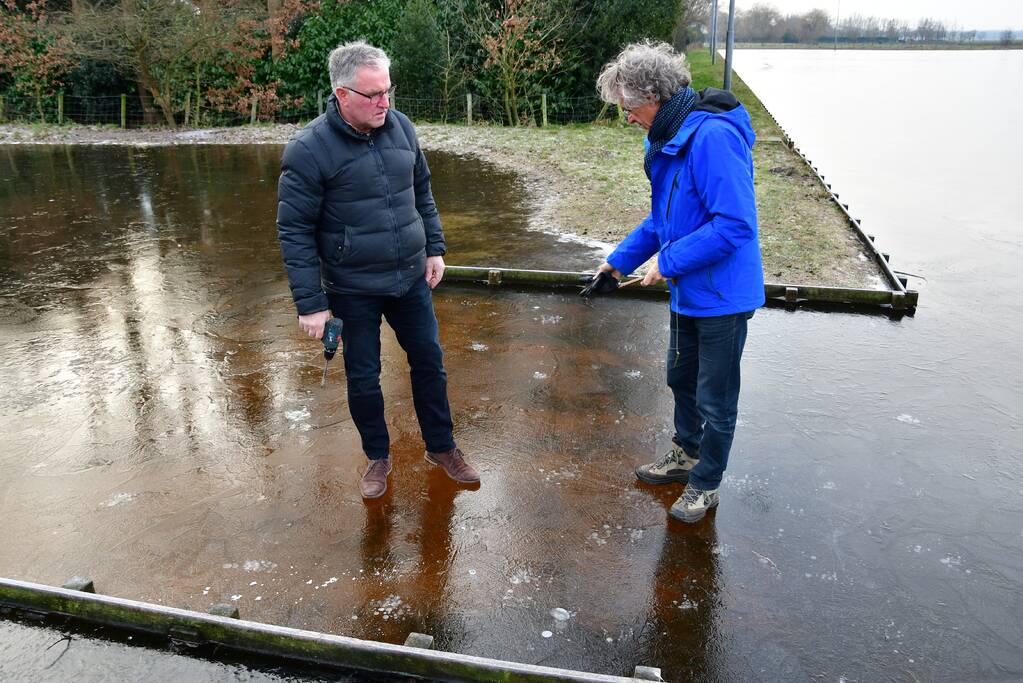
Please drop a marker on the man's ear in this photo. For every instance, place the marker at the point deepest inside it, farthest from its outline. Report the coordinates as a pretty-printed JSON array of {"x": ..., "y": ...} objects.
[{"x": 341, "y": 94}]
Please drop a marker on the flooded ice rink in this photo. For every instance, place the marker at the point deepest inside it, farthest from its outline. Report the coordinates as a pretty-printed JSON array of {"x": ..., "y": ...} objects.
[{"x": 166, "y": 434}]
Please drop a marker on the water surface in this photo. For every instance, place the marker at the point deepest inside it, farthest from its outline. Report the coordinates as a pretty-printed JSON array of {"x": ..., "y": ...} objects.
[{"x": 166, "y": 432}]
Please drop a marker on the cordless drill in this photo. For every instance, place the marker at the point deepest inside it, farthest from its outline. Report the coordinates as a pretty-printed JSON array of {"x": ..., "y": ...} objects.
[{"x": 331, "y": 340}]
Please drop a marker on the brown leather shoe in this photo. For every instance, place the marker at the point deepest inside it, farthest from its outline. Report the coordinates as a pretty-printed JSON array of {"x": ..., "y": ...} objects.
[
  {"x": 454, "y": 464},
  {"x": 374, "y": 482}
]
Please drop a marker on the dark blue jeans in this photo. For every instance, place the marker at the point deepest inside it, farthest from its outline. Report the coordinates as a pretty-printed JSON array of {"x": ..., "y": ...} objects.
[
  {"x": 415, "y": 325},
  {"x": 703, "y": 373}
]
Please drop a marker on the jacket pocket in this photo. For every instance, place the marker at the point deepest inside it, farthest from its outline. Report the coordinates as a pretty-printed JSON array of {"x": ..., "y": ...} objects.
[{"x": 335, "y": 246}]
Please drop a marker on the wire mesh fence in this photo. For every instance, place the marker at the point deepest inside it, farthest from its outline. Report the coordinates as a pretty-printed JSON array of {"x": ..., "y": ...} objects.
[{"x": 129, "y": 111}]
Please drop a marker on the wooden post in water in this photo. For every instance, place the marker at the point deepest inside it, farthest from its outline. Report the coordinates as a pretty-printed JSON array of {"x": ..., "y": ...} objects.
[
  {"x": 252, "y": 117},
  {"x": 60, "y": 108},
  {"x": 468, "y": 108},
  {"x": 543, "y": 110},
  {"x": 188, "y": 106},
  {"x": 124, "y": 110}
]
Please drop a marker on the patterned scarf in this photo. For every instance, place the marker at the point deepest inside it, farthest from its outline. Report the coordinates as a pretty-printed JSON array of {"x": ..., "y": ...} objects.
[{"x": 666, "y": 123}]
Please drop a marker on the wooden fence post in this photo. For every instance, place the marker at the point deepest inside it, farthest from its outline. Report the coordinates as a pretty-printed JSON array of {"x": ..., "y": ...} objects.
[
  {"x": 252, "y": 118},
  {"x": 468, "y": 108},
  {"x": 543, "y": 108},
  {"x": 124, "y": 110},
  {"x": 60, "y": 108},
  {"x": 188, "y": 106}
]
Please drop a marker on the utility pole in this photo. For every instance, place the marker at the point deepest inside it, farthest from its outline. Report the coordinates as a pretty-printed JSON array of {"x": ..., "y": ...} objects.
[
  {"x": 838, "y": 15},
  {"x": 714, "y": 33},
  {"x": 729, "y": 43}
]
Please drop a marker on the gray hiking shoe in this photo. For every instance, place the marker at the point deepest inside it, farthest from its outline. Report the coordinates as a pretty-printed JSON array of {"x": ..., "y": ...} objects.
[
  {"x": 693, "y": 504},
  {"x": 675, "y": 465}
]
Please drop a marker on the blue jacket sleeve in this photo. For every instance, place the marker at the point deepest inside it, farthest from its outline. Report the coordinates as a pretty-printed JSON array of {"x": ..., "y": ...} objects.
[
  {"x": 299, "y": 198},
  {"x": 636, "y": 248},
  {"x": 722, "y": 168}
]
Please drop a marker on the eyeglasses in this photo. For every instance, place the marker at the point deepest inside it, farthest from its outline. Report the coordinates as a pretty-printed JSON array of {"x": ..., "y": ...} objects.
[{"x": 376, "y": 97}]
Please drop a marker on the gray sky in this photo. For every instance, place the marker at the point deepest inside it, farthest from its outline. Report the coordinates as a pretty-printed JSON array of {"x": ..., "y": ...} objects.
[{"x": 967, "y": 14}]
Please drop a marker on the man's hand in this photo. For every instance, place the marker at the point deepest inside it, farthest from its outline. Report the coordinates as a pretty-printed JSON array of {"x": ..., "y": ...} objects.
[
  {"x": 606, "y": 267},
  {"x": 314, "y": 323},
  {"x": 652, "y": 275},
  {"x": 434, "y": 270}
]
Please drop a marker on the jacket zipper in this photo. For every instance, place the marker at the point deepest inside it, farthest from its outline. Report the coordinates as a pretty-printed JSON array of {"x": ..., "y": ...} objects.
[{"x": 671, "y": 194}]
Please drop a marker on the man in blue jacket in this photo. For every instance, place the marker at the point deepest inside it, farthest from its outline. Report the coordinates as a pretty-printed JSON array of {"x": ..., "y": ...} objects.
[
  {"x": 360, "y": 236},
  {"x": 702, "y": 227}
]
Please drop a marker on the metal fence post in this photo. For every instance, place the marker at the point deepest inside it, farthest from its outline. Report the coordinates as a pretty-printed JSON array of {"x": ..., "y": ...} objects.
[
  {"x": 60, "y": 108},
  {"x": 124, "y": 110},
  {"x": 468, "y": 108},
  {"x": 543, "y": 109},
  {"x": 252, "y": 118}
]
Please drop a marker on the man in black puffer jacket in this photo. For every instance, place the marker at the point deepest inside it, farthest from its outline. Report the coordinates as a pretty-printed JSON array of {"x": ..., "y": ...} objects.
[{"x": 361, "y": 237}]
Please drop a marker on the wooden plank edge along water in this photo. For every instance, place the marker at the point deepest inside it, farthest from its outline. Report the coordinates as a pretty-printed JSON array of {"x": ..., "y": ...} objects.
[
  {"x": 296, "y": 645},
  {"x": 896, "y": 299}
]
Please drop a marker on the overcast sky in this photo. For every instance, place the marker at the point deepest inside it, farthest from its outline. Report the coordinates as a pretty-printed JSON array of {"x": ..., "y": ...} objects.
[{"x": 967, "y": 14}]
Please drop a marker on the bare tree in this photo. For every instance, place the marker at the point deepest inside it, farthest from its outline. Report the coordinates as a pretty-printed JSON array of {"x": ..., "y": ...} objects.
[
  {"x": 154, "y": 40},
  {"x": 523, "y": 41},
  {"x": 761, "y": 23},
  {"x": 1007, "y": 37}
]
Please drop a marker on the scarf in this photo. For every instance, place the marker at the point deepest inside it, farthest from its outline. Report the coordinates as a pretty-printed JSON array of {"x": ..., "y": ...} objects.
[{"x": 666, "y": 123}]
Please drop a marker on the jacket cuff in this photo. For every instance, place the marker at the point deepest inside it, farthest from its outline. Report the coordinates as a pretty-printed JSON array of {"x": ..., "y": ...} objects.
[{"x": 312, "y": 304}]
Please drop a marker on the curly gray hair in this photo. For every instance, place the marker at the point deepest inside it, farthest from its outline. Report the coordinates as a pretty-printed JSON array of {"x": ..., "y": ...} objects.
[
  {"x": 346, "y": 59},
  {"x": 643, "y": 72}
]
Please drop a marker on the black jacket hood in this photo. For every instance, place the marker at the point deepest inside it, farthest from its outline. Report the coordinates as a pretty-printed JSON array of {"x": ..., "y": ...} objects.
[{"x": 716, "y": 101}]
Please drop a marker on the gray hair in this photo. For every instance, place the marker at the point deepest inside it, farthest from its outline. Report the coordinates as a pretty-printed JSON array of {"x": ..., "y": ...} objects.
[
  {"x": 643, "y": 72},
  {"x": 346, "y": 59}
]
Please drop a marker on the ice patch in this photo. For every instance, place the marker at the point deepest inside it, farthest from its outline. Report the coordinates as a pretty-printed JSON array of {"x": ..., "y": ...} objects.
[
  {"x": 297, "y": 415},
  {"x": 560, "y": 614},
  {"x": 952, "y": 560},
  {"x": 539, "y": 375},
  {"x": 521, "y": 576},
  {"x": 478, "y": 346},
  {"x": 829, "y": 486},
  {"x": 634, "y": 374},
  {"x": 550, "y": 319},
  {"x": 117, "y": 499},
  {"x": 258, "y": 565},
  {"x": 908, "y": 419},
  {"x": 546, "y": 634}
]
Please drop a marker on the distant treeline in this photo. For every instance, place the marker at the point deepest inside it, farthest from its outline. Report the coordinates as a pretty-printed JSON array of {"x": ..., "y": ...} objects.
[
  {"x": 763, "y": 23},
  {"x": 224, "y": 56}
]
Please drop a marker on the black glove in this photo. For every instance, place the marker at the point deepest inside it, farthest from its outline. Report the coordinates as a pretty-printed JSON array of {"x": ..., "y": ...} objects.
[{"x": 602, "y": 283}]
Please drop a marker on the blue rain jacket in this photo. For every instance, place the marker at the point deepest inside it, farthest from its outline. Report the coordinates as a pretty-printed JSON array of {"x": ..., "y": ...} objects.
[{"x": 703, "y": 219}]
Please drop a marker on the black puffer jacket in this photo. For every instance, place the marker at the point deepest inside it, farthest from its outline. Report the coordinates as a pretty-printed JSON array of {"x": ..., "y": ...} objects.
[{"x": 355, "y": 213}]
